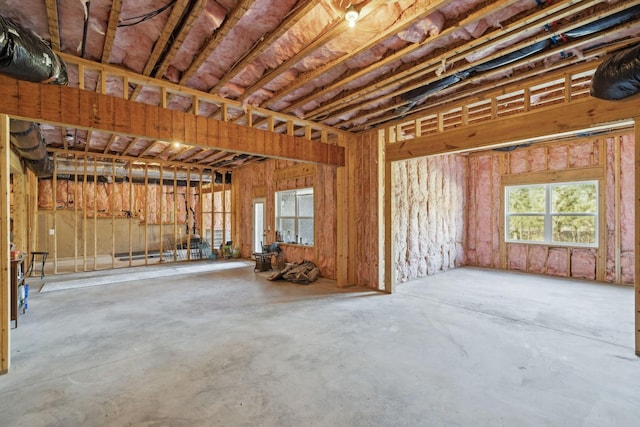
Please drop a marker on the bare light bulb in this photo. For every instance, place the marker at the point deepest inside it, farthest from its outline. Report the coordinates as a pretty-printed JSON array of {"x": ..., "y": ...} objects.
[{"x": 351, "y": 16}]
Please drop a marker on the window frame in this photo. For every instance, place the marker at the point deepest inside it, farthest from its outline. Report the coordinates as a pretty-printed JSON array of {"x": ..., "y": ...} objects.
[
  {"x": 298, "y": 192},
  {"x": 549, "y": 215}
]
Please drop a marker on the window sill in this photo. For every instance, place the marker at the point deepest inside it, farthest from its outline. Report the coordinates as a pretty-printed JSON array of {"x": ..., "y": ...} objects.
[{"x": 303, "y": 245}]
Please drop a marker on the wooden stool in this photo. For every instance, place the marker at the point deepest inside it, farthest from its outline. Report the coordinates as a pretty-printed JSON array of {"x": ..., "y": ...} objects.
[{"x": 38, "y": 256}]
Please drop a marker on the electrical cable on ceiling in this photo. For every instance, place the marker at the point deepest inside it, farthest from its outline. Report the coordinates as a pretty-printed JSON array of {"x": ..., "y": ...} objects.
[{"x": 124, "y": 22}]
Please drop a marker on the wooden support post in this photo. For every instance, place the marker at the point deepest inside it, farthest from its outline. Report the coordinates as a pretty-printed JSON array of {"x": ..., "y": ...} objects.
[
  {"x": 175, "y": 213},
  {"x": 131, "y": 213},
  {"x": 84, "y": 211},
  {"x": 389, "y": 252},
  {"x": 161, "y": 214},
  {"x": 617, "y": 236},
  {"x": 187, "y": 208},
  {"x": 113, "y": 213},
  {"x": 75, "y": 213},
  {"x": 146, "y": 213},
  {"x": 54, "y": 184},
  {"x": 380, "y": 214},
  {"x": 342, "y": 220},
  {"x": 5, "y": 263},
  {"x": 637, "y": 236},
  {"x": 95, "y": 213}
]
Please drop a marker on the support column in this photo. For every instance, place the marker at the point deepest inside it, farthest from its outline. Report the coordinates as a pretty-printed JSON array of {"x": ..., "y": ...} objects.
[
  {"x": 342, "y": 220},
  {"x": 637, "y": 236},
  {"x": 5, "y": 307}
]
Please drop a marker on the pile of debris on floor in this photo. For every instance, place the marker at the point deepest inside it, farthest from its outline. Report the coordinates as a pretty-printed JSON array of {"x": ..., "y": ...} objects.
[{"x": 302, "y": 272}]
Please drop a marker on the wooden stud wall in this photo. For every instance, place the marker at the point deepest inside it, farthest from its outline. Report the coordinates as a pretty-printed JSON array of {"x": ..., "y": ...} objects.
[{"x": 90, "y": 241}]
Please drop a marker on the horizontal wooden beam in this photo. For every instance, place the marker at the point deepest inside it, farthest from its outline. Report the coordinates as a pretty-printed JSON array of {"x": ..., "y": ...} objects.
[
  {"x": 574, "y": 116},
  {"x": 72, "y": 107}
]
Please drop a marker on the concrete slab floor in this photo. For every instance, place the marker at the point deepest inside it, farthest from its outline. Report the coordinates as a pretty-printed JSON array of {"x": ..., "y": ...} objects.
[{"x": 469, "y": 347}]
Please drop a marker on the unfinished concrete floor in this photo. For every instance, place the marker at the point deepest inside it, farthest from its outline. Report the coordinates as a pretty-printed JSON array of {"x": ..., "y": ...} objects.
[{"x": 469, "y": 347}]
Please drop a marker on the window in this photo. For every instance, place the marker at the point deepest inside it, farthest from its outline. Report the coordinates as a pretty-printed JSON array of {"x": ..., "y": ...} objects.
[
  {"x": 558, "y": 214},
  {"x": 294, "y": 216}
]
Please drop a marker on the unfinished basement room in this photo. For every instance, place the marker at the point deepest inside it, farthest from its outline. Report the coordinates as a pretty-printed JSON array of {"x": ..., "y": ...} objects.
[{"x": 319, "y": 213}]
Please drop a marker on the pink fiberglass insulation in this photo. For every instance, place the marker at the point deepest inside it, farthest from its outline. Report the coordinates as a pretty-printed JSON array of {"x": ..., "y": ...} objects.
[
  {"x": 611, "y": 182},
  {"x": 580, "y": 154},
  {"x": 627, "y": 193},
  {"x": 537, "y": 259},
  {"x": 583, "y": 263},
  {"x": 262, "y": 18},
  {"x": 627, "y": 267},
  {"x": 71, "y": 38},
  {"x": 301, "y": 34},
  {"x": 427, "y": 27},
  {"x": 518, "y": 160},
  {"x": 557, "y": 262},
  {"x": 557, "y": 157},
  {"x": 28, "y": 13},
  {"x": 537, "y": 159},
  {"x": 517, "y": 255},
  {"x": 203, "y": 28},
  {"x": 134, "y": 40}
]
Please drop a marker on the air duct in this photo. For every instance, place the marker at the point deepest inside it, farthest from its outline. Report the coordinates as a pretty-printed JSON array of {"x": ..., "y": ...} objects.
[
  {"x": 618, "y": 76},
  {"x": 24, "y": 56}
]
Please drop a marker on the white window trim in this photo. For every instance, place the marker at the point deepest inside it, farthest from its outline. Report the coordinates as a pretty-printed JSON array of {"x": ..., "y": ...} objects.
[
  {"x": 296, "y": 218},
  {"x": 548, "y": 215}
]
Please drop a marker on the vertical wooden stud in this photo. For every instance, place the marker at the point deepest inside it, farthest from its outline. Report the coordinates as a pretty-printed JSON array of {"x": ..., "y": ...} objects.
[
  {"x": 146, "y": 213},
  {"x": 637, "y": 236},
  {"x": 131, "y": 213},
  {"x": 55, "y": 213},
  {"x": 84, "y": 213},
  {"x": 342, "y": 218},
  {"x": 112, "y": 201},
  {"x": 75, "y": 213},
  {"x": 5, "y": 255},
  {"x": 161, "y": 213},
  {"x": 95, "y": 213},
  {"x": 175, "y": 213},
  {"x": 617, "y": 196}
]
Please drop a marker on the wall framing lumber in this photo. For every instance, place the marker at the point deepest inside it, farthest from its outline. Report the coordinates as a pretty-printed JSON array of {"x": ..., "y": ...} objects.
[
  {"x": 95, "y": 111},
  {"x": 562, "y": 118},
  {"x": 637, "y": 237},
  {"x": 5, "y": 307}
]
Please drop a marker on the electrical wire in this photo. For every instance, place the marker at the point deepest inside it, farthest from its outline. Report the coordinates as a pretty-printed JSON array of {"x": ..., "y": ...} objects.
[{"x": 144, "y": 17}]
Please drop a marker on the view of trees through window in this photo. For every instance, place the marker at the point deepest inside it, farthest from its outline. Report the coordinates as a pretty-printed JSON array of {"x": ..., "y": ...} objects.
[{"x": 564, "y": 213}]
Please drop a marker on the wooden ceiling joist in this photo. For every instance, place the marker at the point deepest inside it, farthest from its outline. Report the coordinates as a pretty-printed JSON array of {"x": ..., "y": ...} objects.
[
  {"x": 112, "y": 26},
  {"x": 54, "y": 29},
  {"x": 405, "y": 21},
  {"x": 301, "y": 10},
  {"x": 412, "y": 72},
  {"x": 227, "y": 25},
  {"x": 159, "y": 48}
]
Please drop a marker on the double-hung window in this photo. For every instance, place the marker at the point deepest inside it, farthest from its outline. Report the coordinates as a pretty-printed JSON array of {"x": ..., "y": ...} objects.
[
  {"x": 294, "y": 215},
  {"x": 555, "y": 214}
]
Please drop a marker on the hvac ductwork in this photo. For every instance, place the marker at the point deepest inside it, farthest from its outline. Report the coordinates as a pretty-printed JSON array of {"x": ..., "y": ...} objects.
[
  {"x": 618, "y": 77},
  {"x": 24, "y": 56}
]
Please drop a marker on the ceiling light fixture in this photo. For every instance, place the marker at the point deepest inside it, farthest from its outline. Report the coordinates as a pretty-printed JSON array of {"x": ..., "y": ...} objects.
[{"x": 351, "y": 15}]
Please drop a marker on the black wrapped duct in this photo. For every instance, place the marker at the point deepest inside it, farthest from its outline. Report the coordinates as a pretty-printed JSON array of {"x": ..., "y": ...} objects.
[
  {"x": 27, "y": 139},
  {"x": 618, "y": 77},
  {"x": 24, "y": 56}
]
